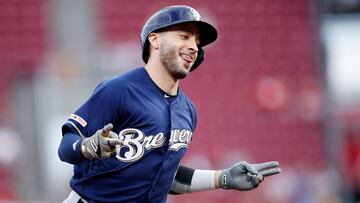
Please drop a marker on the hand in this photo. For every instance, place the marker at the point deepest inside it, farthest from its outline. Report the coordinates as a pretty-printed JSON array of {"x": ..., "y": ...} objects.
[
  {"x": 101, "y": 144},
  {"x": 244, "y": 176}
]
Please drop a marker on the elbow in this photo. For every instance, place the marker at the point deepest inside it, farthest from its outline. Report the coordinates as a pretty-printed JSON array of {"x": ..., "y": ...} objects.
[
  {"x": 61, "y": 154},
  {"x": 69, "y": 149},
  {"x": 64, "y": 150}
]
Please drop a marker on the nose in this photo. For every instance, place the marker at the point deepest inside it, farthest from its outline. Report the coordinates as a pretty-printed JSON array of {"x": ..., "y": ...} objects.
[
  {"x": 194, "y": 50},
  {"x": 193, "y": 47}
]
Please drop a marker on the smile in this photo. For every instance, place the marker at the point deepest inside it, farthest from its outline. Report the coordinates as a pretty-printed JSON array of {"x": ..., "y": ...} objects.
[{"x": 188, "y": 58}]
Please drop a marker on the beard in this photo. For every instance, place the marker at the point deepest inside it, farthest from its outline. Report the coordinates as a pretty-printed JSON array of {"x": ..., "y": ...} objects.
[{"x": 168, "y": 56}]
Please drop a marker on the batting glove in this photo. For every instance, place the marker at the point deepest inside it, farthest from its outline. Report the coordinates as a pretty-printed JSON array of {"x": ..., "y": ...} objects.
[
  {"x": 101, "y": 144},
  {"x": 244, "y": 176}
]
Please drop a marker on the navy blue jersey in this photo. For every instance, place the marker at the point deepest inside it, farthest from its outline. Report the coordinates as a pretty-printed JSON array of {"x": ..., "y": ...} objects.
[{"x": 156, "y": 131}]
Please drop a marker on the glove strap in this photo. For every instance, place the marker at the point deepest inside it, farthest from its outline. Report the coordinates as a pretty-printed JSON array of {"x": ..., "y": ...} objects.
[
  {"x": 224, "y": 179},
  {"x": 89, "y": 153}
]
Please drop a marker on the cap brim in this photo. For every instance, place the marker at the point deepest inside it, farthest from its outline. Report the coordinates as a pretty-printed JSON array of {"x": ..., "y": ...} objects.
[{"x": 208, "y": 33}]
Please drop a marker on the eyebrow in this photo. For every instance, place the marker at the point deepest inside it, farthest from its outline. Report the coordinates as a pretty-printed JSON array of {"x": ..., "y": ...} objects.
[{"x": 192, "y": 32}]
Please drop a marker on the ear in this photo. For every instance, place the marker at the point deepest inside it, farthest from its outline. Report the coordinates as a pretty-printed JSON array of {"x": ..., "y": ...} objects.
[{"x": 154, "y": 40}]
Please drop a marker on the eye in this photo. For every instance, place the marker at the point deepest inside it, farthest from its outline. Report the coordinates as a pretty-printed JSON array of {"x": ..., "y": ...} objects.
[{"x": 184, "y": 36}]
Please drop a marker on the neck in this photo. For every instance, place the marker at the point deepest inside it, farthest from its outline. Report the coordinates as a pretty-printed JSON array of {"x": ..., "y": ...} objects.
[{"x": 162, "y": 78}]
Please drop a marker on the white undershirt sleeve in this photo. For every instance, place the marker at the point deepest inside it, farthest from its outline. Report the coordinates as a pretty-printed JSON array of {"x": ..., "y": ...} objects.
[{"x": 202, "y": 180}]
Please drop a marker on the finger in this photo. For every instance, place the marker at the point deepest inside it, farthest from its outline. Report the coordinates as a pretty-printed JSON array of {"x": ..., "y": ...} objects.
[
  {"x": 270, "y": 172},
  {"x": 265, "y": 165},
  {"x": 106, "y": 148},
  {"x": 112, "y": 148},
  {"x": 114, "y": 141},
  {"x": 260, "y": 177},
  {"x": 106, "y": 154},
  {"x": 253, "y": 179},
  {"x": 113, "y": 135},
  {"x": 106, "y": 129},
  {"x": 248, "y": 167}
]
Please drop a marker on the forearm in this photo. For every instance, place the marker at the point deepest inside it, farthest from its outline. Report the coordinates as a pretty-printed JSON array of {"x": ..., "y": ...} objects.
[
  {"x": 188, "y": 180},
  {"x": 70, "y": 149}
]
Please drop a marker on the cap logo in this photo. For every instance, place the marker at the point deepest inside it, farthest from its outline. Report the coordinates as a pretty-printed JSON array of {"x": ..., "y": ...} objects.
[{"x": 195, "y": 14}]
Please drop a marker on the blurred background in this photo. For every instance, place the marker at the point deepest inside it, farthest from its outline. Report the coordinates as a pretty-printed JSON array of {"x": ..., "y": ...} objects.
[{"x": 282, "y": 82}]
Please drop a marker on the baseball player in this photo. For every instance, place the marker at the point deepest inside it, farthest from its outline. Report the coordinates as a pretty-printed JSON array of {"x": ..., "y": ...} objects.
[{"x": 127, "y": 140}]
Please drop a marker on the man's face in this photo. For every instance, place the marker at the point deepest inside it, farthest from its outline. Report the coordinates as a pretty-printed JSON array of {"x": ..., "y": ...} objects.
[{"x": 179, "y": 49}]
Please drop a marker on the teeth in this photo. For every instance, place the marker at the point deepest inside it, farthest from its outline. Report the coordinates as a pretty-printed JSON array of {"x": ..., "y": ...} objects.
[{"x": 186, "y": 57}]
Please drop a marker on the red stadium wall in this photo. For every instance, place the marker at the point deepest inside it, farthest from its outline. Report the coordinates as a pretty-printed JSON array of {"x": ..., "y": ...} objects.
[
  {"x": 23, "y": 38},
  {"x": 349, "y": 117}
]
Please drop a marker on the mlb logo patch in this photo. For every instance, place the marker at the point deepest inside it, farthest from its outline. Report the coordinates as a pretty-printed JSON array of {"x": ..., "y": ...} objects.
[{"x": 78, "y": 119}]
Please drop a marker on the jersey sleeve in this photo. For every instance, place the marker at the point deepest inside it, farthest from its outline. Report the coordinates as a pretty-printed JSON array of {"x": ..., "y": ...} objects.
[
  {"x": 103, "y": 107},
  {"x": 195, "y": 119},
  {"x": 193, "y": 116}
]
